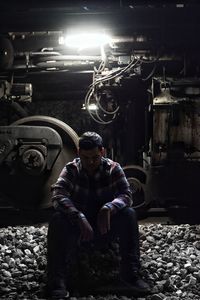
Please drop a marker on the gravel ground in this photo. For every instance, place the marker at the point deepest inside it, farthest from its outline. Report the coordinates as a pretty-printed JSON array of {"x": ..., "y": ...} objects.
[{"x": 170, "y": 257}]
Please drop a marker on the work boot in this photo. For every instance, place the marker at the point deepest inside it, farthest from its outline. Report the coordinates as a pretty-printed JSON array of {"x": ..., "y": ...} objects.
[
  {"x": 133, "y": 280},
  {"x": 57, "y": 290}
]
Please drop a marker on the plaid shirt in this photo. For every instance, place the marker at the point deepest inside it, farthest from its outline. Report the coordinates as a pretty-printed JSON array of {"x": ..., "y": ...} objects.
[{"x": 74, "y": 189}]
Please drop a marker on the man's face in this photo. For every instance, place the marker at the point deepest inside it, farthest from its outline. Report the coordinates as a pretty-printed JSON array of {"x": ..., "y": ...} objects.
[{"x": 91, "y": 159}]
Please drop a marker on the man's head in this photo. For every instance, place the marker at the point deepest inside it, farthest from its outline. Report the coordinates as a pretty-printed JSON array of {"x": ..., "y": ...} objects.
[{"x": 91, "y": 151}]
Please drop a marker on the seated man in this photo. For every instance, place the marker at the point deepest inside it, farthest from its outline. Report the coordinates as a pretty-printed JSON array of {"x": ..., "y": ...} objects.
[{"x": 92, "y": 198}]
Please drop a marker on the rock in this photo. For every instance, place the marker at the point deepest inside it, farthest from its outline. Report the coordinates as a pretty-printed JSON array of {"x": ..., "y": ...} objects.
[
  {"x": 192, "y": 280},
  {"x": 170, "y": 265},
  {"x": 197, "y": 245},
  {"x": 170, "y": 260},
  {"x": 158, "y": 297}
]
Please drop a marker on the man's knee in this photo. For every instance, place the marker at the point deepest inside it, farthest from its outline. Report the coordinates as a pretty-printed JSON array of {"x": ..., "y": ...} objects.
[
  {"x": 128, "y": 218},
  {"x": 129, "y": 213},
  {"x": 125, "y": 219}
]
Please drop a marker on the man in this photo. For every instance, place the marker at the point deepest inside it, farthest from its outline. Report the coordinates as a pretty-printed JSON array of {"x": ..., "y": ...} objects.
[{"x": 92, "y": 198}]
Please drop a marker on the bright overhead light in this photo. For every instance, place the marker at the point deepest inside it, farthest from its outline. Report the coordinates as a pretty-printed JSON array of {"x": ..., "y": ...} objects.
[{"x": 85, "y": 40}]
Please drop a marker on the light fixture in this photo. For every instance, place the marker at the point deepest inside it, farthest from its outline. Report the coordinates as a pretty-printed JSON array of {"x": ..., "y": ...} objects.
[{"x": 85, "y": 40}]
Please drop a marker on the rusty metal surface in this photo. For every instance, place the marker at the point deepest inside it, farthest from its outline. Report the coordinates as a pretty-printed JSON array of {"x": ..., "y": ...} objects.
[{"x": 176, "y": 131}]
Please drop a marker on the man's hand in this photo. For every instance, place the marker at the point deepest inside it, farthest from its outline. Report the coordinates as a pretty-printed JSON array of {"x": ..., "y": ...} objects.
[
  {"x": 103, "y": 220},
  {"x": 85, "y": 229}
]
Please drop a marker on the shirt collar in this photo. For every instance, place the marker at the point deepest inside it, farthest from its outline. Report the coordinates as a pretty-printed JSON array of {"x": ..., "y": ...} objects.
[{"x": 98, "y": 171}]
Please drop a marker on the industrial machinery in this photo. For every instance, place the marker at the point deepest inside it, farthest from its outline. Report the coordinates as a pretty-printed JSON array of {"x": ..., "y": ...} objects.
[
  {"x": 29, "y": 149},
  {"x": 139, "y": 87}
]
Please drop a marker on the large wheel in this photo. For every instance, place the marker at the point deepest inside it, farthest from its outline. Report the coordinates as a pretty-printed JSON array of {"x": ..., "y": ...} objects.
[
  {"x": 68, "y": 153},
  {"x": 137, "y": 178}
]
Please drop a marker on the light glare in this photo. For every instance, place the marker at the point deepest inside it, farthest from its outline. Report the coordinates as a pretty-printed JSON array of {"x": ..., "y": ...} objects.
[
  {"x": 85, "y": 40},
  {"x": 91, "y": 106}
]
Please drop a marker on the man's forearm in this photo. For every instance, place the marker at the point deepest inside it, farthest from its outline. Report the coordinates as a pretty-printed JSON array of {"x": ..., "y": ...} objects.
[{"x": 119, "y": 203}]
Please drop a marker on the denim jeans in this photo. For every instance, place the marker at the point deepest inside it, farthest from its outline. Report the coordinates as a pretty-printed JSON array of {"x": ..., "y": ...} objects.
[{"x": 63, "y": 240}]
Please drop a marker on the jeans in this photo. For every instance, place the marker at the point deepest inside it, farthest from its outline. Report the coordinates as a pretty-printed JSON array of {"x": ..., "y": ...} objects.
[{"x": 63, "y": 237}]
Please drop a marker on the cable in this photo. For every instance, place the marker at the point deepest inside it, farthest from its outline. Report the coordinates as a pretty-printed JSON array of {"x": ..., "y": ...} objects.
[
  {"x": 118, "y": 73},
  {"x": 150, "y": 74},
  {"x": 97, "y": 82},
  {"x": 106, "y": 111},
  {"x": 96, "y": 118}
]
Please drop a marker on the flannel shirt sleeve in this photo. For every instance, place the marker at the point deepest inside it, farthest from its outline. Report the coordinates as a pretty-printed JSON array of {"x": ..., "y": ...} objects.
[
  {"x": 62, "y": 192},
  {"x": 123, "y": 194}
]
